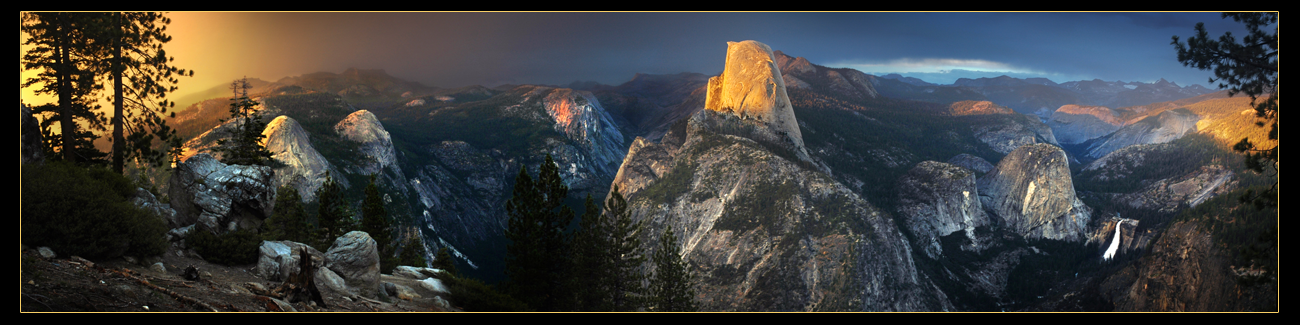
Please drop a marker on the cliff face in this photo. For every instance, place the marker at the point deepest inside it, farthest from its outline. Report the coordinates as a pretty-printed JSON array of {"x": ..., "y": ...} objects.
[
  {"x": 762, "y": 225},
  {"x": 578, "y": 115},
  {"x": 1164, "y": 127},
  {"x": 1076, "y": 124},
  {"x": 1032, "y": 192},
  {"x": 1187, "y": 271},
  {"x": 764, "y": 231},
  {"x": 937, "y": 199},
  {"x": 751, "y": 87}
]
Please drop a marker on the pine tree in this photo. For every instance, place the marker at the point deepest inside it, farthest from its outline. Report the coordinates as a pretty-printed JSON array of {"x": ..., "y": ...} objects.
[
  {"x": 591, "y": 269},
  {"x": 333, "y": 213},
  {"x": 63, "y": 53},
  {"x": 288, "y": 220},
  {"x": 444, "y": 262},
  {"x": 535, "y": 257},
  {"x": 244, "y": 147},
  {"x": 375, "y": 221},
  {"x": 625, "y": 256},
  {"x": 130, "y": 54},
  {"x": 671, "y": 287},
  {"x": 413, "y": 252}
]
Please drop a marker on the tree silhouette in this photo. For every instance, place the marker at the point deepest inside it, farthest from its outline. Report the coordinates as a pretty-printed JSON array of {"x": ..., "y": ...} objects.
[{"x": 63, "y": 53}]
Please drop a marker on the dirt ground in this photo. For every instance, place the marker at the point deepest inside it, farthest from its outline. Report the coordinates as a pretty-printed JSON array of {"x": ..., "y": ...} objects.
[{"x": 72, "y": 284}]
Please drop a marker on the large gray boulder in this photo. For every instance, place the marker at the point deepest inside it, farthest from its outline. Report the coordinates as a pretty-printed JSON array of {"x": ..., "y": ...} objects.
[
  {"x": 937, "y": 199},
  {"x": 355, "y": 258},
  {"x": 219, "y": 197},
  {"x": 1032, "y": 192}
]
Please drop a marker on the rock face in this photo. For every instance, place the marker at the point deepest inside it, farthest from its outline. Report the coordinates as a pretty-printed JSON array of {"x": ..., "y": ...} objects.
[
  {"x": 1032, "y": 192},
  {"x": 751, "y": 87},
  {"x": 971, "y": 162},
  {"x": 30, "y": 142},
  {"x": 766, "y": 231},
  {"x": 304, "y": 169},
  {"x": 362, "y": 126},
  {"x": 1006, "y": 132},
  {"x": 578, "y": 115},
  {"x": 1075, "y": 124},
  {"x": 219, "y": 197},
  {"x": 355, "y": 258},
  {"x": 1187, "y": 271},
  {"x": 937, "y": 199},
  {"x": 1164, "y": 127}
]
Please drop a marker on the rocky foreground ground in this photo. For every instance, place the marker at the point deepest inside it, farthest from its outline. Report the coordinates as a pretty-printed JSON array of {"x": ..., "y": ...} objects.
[{"x": 74, "y": 284}]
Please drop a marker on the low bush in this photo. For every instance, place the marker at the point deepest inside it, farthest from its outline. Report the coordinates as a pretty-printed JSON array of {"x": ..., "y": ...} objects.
[
  {"x": 86, "y": 212},
  {"x": 233, "y": 248}
]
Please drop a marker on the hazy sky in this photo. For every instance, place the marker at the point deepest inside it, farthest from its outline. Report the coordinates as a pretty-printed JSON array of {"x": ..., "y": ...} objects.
[{"x": 459, "y": 49}]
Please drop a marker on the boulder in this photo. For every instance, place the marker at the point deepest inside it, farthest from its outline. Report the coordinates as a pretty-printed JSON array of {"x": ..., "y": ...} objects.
[
  {"x": 278, "y": 259},
  {"x": 331, "y": 280},
  {"x": 937, "y": 199},
  {"x": 355, "y": 257},
  {"x": 1031, "y": 191},
  {"x": 46, "y": 252},
  {"x": 219, "y": 197}
]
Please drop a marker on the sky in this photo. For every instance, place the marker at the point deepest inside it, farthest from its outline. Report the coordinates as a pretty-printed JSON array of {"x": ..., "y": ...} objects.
[{"x": 459, "y": 49}]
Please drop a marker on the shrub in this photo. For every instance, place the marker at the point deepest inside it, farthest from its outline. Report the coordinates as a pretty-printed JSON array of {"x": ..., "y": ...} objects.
[
  {"x": 473, "y": 295},
  {"x": 233, "y": 248},
  {"x": 86, "y": 212}
]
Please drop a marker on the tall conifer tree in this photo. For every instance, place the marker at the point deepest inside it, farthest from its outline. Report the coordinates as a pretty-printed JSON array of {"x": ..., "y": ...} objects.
[
  {"x": 670, "y": 290},
  {"x": 625, "y": 255},
  {"x": 374, "y": 221}
]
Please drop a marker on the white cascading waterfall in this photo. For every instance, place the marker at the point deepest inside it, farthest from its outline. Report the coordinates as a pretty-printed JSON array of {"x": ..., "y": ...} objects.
[{"x": 1114, "y": 243}]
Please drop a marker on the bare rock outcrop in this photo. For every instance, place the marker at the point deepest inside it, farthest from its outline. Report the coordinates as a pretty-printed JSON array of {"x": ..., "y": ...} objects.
[
  {"x": 937, "y": 199},
  {"x": 30, "y": 142},
  {"x": 751, "y": 87},
  {"x": 376, "y": 144},
  {"x": 220, "y": 197},
  {"x": 305, "y": 168},
  {"x": 1032, "y": 192}
]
